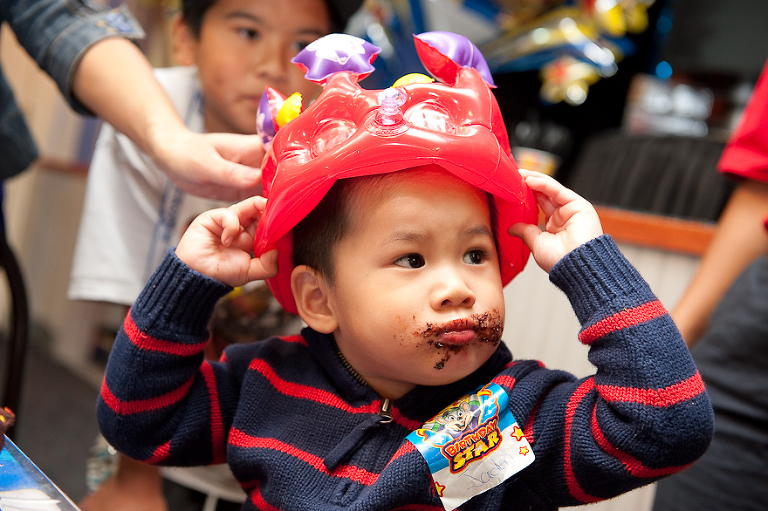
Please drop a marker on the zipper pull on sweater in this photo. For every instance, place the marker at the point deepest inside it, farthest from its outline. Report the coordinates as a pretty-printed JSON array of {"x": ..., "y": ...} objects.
[
  {"x": 385, "y": 412},
  {"x": 352, "y": 442}
]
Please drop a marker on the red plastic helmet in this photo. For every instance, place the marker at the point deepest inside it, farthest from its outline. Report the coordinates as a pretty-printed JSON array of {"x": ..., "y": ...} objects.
[{"x": 349, "y": 132}]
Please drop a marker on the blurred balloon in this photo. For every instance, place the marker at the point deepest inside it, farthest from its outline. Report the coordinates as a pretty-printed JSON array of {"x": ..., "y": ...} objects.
[
  {"x": 574, "y": 44},
  {"x": 560, "y": 38}
]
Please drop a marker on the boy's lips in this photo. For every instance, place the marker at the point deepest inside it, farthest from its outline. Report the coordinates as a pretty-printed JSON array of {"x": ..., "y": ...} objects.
[
  {"x": 486, "y": 327},
  {"x": 457, "y": 332},
  {"x": 456, "y": 335}
]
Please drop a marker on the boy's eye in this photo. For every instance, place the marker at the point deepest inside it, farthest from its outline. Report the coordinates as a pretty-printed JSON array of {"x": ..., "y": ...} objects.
[
  {"x": 300, "y": 45},
  {"x": 474, "y": 257},
  {"x": 248, "y": 33},
  {"x": 410, "y": 261}
]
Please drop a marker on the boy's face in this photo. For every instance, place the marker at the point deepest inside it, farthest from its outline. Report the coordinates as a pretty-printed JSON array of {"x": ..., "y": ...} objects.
[
  {"x": 244, "y": 45},
  {"x": 417, "y": 291}
]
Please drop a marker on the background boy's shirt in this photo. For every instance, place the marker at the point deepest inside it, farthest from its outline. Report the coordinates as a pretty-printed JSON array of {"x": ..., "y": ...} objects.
[
  {"x": 132, "y": 212},
  {"x": 280, "y": 409}
]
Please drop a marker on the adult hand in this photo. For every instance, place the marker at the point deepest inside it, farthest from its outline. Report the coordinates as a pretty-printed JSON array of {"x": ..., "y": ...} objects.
[{"x": 214, "y": 165}]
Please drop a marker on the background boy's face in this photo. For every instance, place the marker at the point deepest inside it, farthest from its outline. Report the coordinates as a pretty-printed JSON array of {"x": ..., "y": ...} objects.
[
  {"x": 244, "y": 45},
  {"x": 417, "y": 290}
]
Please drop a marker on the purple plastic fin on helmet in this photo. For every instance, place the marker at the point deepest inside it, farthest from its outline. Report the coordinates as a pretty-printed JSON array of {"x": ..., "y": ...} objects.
[
  {"x": 269, "y": 106},
  {"x": 457, "y": 49},
  {"x": 334, "y": 53},
  {"x": 265, "y": 127}
]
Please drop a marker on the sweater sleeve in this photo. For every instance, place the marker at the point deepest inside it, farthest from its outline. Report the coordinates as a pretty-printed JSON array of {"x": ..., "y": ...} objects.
[
  {"x": 644, "y": 414},
  {"x": 160, "y": 401}
]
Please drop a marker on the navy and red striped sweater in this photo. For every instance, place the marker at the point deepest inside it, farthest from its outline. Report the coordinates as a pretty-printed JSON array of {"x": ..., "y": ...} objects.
[{"x": 301, "y": 433}]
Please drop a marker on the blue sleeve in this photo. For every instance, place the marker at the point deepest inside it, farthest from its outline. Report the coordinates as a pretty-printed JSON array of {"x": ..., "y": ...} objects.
[
  {"x": 645, "y": 412},
  {"x": 160, "y": 401},
  {"x": 56, "y": 33}
]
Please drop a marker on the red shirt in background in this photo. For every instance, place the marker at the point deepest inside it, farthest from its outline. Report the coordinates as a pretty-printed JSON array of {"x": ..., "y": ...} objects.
[{"x": 746, "y": 154}]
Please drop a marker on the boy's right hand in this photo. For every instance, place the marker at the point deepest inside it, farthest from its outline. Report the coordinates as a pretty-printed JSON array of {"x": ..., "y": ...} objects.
[
  {"x": 219, "y": 243},
  {"x": 570, "y": 220}
]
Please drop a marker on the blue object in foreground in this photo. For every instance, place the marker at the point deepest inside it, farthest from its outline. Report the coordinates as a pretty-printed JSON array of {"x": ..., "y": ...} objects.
[{"x": 23, "y": 486}]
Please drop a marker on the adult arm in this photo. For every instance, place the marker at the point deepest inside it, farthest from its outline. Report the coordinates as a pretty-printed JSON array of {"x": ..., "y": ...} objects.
[
  {"x": 739, "y": 239},
  {"x": 86, "y": 50},
  {"x": 740, "y": 236},
  {"x": 115, "y": 81}
]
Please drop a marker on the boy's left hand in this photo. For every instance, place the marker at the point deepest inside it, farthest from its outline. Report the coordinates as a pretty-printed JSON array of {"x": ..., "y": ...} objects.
[
  {"x": 571, "y": 220},
  {"x": 219, "y": 244}
]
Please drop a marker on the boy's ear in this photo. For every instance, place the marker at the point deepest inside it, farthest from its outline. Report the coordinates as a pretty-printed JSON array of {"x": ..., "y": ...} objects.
[
  {"x": 184, "y": 42},
  {"x": 311, "y": 293}
]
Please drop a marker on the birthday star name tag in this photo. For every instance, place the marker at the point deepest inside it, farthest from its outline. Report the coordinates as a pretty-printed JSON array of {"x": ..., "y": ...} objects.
[{"x": 473, "y": 445}]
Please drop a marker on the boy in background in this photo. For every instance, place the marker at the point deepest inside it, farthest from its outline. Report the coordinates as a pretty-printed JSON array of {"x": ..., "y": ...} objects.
[
  {"x": 228, "y": 51},
  {"x": 396, "y": 257}
]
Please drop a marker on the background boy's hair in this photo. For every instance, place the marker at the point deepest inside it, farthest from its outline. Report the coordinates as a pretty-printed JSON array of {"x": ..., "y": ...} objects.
[
  {"x": 193, "y": 11},
  {"x": 316, "y": 236}
]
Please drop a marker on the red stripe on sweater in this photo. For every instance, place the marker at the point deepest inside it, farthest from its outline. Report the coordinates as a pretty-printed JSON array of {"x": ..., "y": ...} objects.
[
  {"x": 217, "y": 426},
  {"x": 298, "y": 339},
  {"x": 402, "y": 451},
  {"x": 528, "y": 429},
  {"x": 238, "y": 438},
  {"x": 505, "y": 379},
  {"x": 570, "y": 477},
  {"x": 632, "y": 464},
  {"x": 258, "y": 500},
  {"x": 323, "y": 397},
  {"x": 621, "y": 320},
  {"x": 143, "y": 405},
  {"x": 160, "y": 453},
  {"x": 677, "y": 393},
  {"x": 306, "y": 392},
  {"x": 145, "y": 342},
  {"x": 402, "y": 419}
]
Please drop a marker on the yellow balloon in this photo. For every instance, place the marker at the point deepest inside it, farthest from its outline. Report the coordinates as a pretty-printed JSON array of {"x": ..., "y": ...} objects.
[
  {"x": 290, "y": 110},
  {"x": 412, "y": 78}
]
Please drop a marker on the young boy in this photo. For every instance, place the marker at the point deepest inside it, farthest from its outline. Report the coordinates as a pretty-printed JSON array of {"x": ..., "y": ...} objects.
[
  {"x": 399, "y": 394},
  {"x": 228, "y": 51}
]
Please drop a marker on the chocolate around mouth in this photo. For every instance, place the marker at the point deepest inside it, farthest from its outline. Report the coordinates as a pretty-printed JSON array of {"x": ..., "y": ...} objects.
[{"x": 488, "y": 327}]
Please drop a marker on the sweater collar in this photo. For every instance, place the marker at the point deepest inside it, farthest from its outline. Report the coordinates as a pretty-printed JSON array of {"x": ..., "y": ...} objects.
[{"x": 420, "y": 404}]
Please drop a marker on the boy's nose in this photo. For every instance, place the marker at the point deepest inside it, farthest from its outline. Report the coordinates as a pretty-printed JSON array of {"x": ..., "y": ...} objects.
[
  {"x": 452, "y": 291},
  {"x": 273, "y": 64}
]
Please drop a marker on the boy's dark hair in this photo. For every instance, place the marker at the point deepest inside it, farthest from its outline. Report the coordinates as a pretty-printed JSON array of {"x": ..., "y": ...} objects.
[
  {"x": 193, "y": 11},
  {"x": 315, "y": 237},
  {"x": 318, "y": 234}
]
